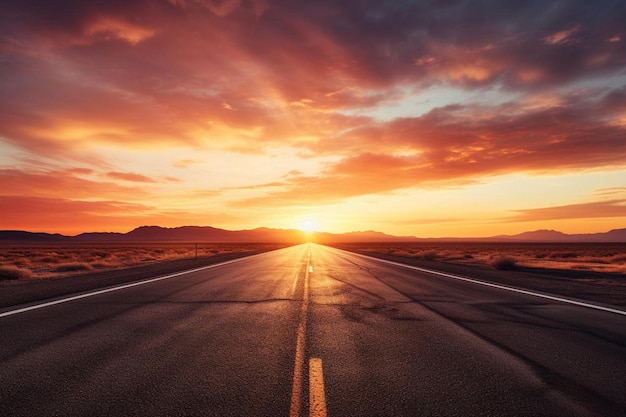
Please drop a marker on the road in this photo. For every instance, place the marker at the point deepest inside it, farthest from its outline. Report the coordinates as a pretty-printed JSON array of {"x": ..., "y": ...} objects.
[{"x": 311, "y": 330}]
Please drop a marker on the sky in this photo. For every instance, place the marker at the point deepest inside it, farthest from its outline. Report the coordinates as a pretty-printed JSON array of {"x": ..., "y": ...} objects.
[{"x": 422, "y": 118}]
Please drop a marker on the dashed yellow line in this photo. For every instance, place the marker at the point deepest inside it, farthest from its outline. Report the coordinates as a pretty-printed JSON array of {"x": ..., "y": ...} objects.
[
  {"x": 298, "y": 368},
  {"x": 298, "y": 374},
  {"x": 317, "y": 397}
]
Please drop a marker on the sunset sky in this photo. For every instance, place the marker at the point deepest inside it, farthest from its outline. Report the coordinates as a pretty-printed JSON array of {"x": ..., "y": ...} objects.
[{"x": 424, "y": 118}]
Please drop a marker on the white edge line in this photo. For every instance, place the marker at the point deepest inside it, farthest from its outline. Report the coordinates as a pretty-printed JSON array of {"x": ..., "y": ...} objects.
[
  {"x": 121, "y": 287},
  {"x": 502, "y": 287}
]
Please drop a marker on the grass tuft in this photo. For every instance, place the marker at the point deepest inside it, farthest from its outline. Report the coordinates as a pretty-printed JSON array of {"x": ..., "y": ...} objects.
[
  {"x": 504, "y": 263},
  {"x": 430, "y": 255},
  {"x": 13, "y": 273},
  {"x": 74, "y": 267}
]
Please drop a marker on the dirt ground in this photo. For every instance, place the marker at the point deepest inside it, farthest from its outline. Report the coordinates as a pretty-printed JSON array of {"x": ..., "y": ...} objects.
[{"x": 589, "y": 272}]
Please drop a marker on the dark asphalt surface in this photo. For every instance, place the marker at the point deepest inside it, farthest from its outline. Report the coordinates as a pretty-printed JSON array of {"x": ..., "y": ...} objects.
[{"x": 392, "y": 342}]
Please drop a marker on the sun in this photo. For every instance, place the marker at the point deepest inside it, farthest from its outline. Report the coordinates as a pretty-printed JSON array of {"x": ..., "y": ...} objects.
[{"x": 308, "y": 226}]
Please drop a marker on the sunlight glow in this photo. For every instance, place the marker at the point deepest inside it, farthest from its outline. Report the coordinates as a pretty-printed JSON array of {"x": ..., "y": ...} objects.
[{"x": 308, "y": 226}]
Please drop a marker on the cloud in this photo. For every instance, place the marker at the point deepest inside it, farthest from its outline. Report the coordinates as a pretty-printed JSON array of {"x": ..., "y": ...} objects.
[
  {"x": 138, "y": 73},
  {"x": 221, "y": 7},
  {"x": 186, "y": 163},
  {"x": 129, "y": 176},
  {"x": 593, "y": 210},
  {"x": 562, "y": 37},
  {"x": 70, "y": 216},
  {"x": 610, "y": 192},
  {"x": 38, "y": 214},
  {"x": 461, "y": 144},
  {"x": 62, "y": 184},
  {"x": 107, "y": 28}
]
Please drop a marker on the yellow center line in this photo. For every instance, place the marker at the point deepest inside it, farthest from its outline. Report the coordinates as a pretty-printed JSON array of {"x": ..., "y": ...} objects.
[
  {"x": 298, "y": 369},
  {"x": 317, "y": 398}
]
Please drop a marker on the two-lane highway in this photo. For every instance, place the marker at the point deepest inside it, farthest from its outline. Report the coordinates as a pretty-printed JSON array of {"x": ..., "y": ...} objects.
[{"x": 311, "y": 330}]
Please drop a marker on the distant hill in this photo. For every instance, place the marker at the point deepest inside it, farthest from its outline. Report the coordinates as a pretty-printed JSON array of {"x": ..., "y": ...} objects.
[
  {"x": 615, "y": 235},
  {"x": 195, "y": 233},
  {"x": 353, "y": 237},
  {"x": 21, "y": 236},
  {"x": 263, "y": 234}
]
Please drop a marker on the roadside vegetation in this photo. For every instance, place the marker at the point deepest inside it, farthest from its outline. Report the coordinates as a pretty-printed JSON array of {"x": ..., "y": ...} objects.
[
  {"x": 9, "y": 273},
  {"x": 597, "y": 257},
  {"x": 19, "y": 262}
]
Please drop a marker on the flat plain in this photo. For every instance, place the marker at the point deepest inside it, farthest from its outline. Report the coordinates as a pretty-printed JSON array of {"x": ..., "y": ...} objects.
[
  {"x": 587, "y": 271},
  {"x": 55, "y": 260}
]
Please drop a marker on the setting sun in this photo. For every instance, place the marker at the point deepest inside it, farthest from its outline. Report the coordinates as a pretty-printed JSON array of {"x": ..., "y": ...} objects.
[{"x": 308, "y": 226}]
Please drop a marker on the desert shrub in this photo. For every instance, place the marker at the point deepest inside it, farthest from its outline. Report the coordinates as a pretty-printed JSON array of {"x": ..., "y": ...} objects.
[
  {"x": 564, "y": 255},
  {"x": 504, "y": 263},
  {"x": 21, "y": 262},
  {"x": 430, "y": 255},
  {"x": 100, "y": 265},
  {"x": 468, "y": 256},
  {"x": 620, "y": 258},
  {"x": 595, "y": 260},
  {"x": 12, "y": 273},
  {"x": 48, "y": 260},
  {"x": 74, "y": 267}
]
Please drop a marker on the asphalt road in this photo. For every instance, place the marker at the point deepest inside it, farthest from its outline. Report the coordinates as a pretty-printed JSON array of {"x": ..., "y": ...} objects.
[{"x": 311, "y": 330}]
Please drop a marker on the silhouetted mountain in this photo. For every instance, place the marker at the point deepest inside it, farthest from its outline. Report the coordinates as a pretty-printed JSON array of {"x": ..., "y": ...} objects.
[
  {"x": 353, "y": 237},
  {"x": 263, "y": 234},
  {"x": 537, "y": 235},
  {"x": 28, "y": 237},
  {"x": 615, "y": 235}
]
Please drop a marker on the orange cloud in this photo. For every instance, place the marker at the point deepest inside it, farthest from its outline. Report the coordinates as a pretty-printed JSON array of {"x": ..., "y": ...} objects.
[
  {"x": 69, "y": 216},
  {"x": 459, "y": 145},
  {"x": 63, "y": 184},
  {"x": 129, "y": 176},
  {"x": 593, "y": 210}
]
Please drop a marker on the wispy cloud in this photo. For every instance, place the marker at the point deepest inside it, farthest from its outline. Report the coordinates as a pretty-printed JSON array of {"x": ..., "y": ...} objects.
[
  {"x": 598, "y": 209},
  {"x": 129, "y": 176}
]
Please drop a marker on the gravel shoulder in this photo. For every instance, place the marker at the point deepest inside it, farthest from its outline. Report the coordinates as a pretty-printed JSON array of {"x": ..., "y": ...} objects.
[{"x": 19, "y": 292}]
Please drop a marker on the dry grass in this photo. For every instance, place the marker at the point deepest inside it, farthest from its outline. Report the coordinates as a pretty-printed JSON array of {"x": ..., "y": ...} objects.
[
  {"x": 56, "y": 260},
  {"x": 598, "y": 257},
  {"x": 504, "y": 263},
  {"x": 12, "y": 273}
]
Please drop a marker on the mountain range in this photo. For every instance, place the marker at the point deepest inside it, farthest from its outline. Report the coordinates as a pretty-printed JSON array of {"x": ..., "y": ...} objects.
[{"x": 263, "y": 234}]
